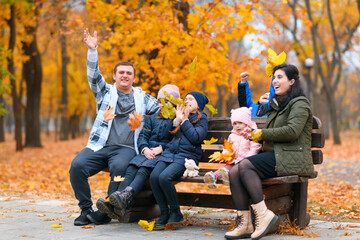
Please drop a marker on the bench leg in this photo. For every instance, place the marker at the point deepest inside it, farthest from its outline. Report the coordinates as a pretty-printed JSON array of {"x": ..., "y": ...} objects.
[{"x": 300, "y": 204}]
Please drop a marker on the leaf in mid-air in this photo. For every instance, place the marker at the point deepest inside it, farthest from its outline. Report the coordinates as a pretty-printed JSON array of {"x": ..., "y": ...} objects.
[
  {"x": 193, "y": 66},
  {"x": 212, "y": 109},
  {"x": 274, "y": 60},
  {"x": 107, "y": 113},
  {"x": 135, "y": 121},
  {"x": 168, "y": 110},
  {"x": 212, "y": 140}
]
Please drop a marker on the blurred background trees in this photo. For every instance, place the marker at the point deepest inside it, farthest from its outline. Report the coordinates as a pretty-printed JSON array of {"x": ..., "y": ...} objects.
[{"x": 43, "y": 83}]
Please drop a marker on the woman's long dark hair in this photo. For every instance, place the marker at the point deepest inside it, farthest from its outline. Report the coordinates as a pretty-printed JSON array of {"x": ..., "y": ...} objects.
[{"x": 295, "y": 90}]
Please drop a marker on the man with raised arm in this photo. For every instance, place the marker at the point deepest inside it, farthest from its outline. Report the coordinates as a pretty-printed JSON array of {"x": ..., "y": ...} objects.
[{"x": 111, "y": 143}]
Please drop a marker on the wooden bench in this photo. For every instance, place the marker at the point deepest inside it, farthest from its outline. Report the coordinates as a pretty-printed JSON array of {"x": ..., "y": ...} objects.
[{"x": 285, "y": 196}]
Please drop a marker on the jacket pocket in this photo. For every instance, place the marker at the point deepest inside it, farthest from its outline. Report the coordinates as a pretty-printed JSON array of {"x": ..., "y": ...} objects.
[{"x": 294, "y": 159}]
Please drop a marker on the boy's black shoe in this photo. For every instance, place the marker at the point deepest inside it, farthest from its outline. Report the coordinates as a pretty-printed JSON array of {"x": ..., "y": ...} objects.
[
  {"x": 105, "y": 207},
  {"x": 99, "y": 218},
  {"x": 82, "y": 219}
]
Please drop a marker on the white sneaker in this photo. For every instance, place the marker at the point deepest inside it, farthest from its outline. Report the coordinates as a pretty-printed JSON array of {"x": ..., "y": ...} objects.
[
  {"x": 210, "y": 179},
  {"x": 224, "y": 174}
]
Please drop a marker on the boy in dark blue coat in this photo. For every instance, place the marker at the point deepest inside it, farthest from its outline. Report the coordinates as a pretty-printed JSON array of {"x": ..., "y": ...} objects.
[
  {"x": 191, "y": 130},
  {"x": 152, "y": 140}
]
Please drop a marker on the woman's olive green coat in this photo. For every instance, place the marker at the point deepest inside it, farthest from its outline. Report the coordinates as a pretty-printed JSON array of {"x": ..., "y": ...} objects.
[{"x": 291, "y": 135}]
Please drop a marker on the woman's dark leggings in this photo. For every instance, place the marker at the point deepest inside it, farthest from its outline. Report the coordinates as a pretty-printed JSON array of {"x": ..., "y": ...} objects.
[{"x": 245, "y": 182}]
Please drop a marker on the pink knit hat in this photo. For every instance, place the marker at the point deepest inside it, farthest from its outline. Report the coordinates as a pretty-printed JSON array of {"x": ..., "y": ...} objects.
[
  {"x": 243, "y": 115},
  {"x": 170, "y": 89}
]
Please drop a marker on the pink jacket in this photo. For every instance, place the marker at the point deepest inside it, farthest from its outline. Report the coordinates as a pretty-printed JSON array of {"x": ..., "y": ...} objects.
[{"x": 243, "y": 147}]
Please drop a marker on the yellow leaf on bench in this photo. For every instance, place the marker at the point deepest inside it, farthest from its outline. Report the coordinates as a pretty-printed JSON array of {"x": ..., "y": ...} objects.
[{"x": 212, "y": 140}]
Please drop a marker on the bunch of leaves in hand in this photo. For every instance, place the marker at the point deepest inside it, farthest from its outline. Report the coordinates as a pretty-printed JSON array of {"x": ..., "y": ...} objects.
[{"x": 227, "y": 157}]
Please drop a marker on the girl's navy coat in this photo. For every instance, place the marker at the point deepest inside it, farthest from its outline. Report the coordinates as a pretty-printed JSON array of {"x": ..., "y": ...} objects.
[
  {"x": 186, "y": 142},
  {"x": 154, "y": 134}
]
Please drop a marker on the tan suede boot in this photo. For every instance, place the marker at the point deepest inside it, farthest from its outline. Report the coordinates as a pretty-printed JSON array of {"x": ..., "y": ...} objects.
[
  {"x": 244, "y": 226},
  {"x": 264, "y": 219}
]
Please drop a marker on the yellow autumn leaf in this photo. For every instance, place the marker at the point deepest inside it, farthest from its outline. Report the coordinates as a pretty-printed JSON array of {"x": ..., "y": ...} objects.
[
  {"x": 56, "y": 226},
  {"x": 193, "y": 66},
  {"x": 118, "y": 178},
  {"x": 212, "y": 140},
  {"x": 168, "y": 110},
  {"x": 274, "y": 60},
  {"x": 215, "y": 157},
  {"x": 146, "y": 225},
  {"x": 284, "y": 1},
  {"x": 212, "y": 109},
  {"x": 256, "y": 136},
  {"x": 208, "y": 234}
]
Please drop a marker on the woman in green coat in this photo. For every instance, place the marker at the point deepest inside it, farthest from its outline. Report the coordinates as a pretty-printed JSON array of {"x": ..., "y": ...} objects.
[{"x": 286, "y": 150}]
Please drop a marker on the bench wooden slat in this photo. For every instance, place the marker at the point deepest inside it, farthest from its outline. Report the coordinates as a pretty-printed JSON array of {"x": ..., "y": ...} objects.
[
  {"x": 224, "y": 123},
  {"x": 317, "y": 155},
  {"x": 317, "y": 139}
]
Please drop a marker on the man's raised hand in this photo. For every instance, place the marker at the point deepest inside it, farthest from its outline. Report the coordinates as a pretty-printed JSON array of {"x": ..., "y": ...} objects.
[{"x": 91, "y": 42}]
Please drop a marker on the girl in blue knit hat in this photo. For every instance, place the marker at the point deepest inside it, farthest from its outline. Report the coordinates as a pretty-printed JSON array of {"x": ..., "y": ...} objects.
[{"x": 190, "y": 129}]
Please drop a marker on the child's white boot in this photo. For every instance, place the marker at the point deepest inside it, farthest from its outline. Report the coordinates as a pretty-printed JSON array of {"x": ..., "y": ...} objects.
[
  {"x": 210, "y": 179},
  {"x": 224, "y": 174},
  {"x": 264, "y": 219},
  {"x": 244, "y": 227}
]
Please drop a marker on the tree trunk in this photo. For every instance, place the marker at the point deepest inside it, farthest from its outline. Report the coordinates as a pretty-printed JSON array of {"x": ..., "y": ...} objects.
[
  {"x": 64, "y": 122},
  {"x": 333, "y": 117},
  {"x": 74, "y": 126},
  {"x": 32, "y": 73},
  {"x": 16, "y": 99},
  {"x": 2, "y": 130}
]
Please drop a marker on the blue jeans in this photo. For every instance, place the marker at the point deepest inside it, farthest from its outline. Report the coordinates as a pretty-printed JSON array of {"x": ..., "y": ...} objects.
[
  {"x": 88, "y": 163},
  {"x": 135, "y": 178},
  {"x": 161, "y": 181}
]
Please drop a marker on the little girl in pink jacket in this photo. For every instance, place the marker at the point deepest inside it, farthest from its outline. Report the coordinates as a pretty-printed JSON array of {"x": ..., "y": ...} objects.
[{"x": 242, "y": 146}]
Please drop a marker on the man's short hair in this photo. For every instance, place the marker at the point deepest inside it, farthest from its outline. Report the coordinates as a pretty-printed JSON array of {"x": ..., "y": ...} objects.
[{"x": 125, "y": 63}]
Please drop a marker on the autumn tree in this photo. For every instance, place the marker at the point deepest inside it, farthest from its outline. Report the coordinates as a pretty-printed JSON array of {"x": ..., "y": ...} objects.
[
  {"x": 162, "y": 38},
  {"x": 32, "y": 73},
  {"x": 16, "y": 97}
]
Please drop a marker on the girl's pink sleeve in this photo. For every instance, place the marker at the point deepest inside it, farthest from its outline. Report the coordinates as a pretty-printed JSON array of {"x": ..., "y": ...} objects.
[{"x": 254, "y": 148}]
